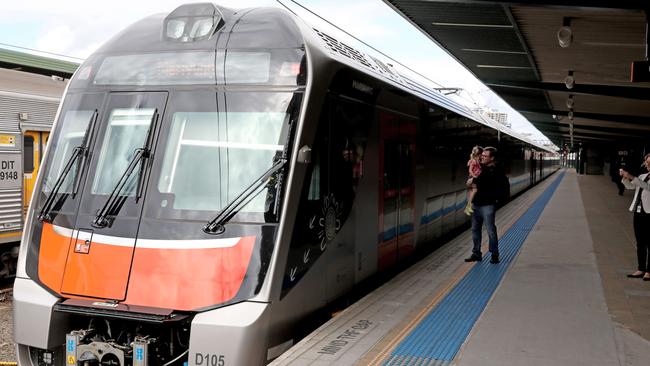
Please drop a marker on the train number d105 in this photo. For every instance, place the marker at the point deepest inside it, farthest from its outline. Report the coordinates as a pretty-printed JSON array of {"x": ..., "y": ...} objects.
[{"x": 209, "y": 359}]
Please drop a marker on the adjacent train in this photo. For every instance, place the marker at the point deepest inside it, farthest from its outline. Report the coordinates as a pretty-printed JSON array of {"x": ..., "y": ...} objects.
[
  {"x": 28, "y": 105},
  {"x": 214, "y": 176}
]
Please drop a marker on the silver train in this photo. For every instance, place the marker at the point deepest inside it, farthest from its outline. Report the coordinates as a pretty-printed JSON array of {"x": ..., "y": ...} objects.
[
  {"x": 215, "y": 176},
  {"x": 28, "y": 105}
]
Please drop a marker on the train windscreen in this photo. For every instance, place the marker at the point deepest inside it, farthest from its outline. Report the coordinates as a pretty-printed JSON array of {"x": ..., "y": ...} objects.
[
  {"x": 209, "y": 156},
  {"x": 127, "y": 129},
  {"x": 74, "y": 124}
]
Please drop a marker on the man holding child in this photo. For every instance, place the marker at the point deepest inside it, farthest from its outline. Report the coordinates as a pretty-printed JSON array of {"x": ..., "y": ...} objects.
[{"x": 492, "y": 187}]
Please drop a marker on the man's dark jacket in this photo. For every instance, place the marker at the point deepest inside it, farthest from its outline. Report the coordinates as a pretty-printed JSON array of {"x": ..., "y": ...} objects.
[{"x": 493, "y": 186}]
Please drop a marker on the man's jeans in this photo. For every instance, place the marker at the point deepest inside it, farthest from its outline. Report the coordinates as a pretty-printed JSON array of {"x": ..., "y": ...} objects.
[{"x": 481, "y": 215}]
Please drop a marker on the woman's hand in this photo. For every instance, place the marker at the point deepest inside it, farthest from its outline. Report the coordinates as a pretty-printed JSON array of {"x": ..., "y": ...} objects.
[{"x": 625, "y": 174}]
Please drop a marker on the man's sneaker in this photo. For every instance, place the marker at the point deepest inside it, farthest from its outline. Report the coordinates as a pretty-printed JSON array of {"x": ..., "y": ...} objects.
[
  {"x": 494, "y": 259},
  {"x": 473, "y": 258}
]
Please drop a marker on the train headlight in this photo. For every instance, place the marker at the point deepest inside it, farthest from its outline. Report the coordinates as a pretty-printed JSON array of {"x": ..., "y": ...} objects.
[
  {"x": 174, "y": 28},
  {"x": 193, "y": 22},
  {"x": 201, "y": 27},
  {"x": 43, "y": 357}
]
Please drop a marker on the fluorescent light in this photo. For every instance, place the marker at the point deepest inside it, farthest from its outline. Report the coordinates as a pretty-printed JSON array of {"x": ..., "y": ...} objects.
[
  {"x": 613, "y": 44},
  {"x": 494, "y": 51},
  {"x": 472, "y": 25},
  {"x": 504, "y": 67}
]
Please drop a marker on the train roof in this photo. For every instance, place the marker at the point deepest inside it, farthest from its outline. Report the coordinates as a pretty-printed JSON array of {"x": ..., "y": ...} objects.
[
  {"x": 263, "y": 27},
  {"x": 372, "y": 63},
  {"x": 271, "y": 28}
]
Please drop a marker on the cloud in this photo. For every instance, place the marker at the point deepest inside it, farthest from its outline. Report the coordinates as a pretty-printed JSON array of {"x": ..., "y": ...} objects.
[
  {"x": 77, "y": 28},
  {"x": 363, "y": 19},
  {"x": 58, "y": 39}
]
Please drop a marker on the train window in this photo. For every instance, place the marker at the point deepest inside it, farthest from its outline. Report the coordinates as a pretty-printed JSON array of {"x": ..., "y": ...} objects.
[
  {"x": 230, "y": 148},
  {"x": 28, "y": 155},
  {"x": 72, "y": 131},
  {"x": 158, "y": 69},
  {"x": 127, "y": 130},
  {"x": 314, "y": 186}
]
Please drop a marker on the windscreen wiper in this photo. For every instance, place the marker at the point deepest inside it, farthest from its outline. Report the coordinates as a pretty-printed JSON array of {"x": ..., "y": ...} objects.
[
  {"x": 79, "y": 155},
  {"x": 216, "y": 225},
  {"x": 115, "y": 201}
]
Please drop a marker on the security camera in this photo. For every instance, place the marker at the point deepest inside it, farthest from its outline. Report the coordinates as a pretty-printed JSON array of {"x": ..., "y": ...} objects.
[
  {"x": 569, "y": 81},
  {"x": 570, "y": 102},
  {"x": 565, "y": 36}
]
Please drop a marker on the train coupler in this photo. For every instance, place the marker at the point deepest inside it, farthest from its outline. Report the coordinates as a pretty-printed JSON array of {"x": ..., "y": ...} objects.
[{"x": 98, "y": 353}]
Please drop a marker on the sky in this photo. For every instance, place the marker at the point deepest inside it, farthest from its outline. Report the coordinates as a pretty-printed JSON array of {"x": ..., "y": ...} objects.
[{"x": 76, "y": 28}]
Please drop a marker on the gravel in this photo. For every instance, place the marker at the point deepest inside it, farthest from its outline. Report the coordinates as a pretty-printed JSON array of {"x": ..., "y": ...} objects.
[{"x": 7, "y": 346}]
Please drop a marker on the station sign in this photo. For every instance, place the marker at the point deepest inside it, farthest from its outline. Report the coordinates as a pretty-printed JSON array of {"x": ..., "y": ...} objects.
[{"x": 11, "y": 170}]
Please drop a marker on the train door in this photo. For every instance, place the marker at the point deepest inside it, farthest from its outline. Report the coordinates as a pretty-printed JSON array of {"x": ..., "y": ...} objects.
[
  {"x": 532, "y": 162},
  {"x": 103, "y": 240},
  {"x": 34, "y": 143},
  {"x": 396, "y": 188}
]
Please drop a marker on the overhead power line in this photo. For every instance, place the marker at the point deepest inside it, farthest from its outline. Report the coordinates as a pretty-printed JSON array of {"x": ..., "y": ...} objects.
[
  {"x": 472, "y": 101},
  {"x": 353, "y": 36}
]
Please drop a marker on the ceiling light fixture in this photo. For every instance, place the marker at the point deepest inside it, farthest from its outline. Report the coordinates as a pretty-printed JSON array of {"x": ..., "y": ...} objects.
[
  {"x": 569, "y": 80},
  {"x": 570, "y": 102},
  {"x": 565, "y": 34}
]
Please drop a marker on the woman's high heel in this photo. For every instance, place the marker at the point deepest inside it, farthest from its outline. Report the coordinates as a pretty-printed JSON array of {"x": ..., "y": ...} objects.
[{"x": 638, "y": 275}]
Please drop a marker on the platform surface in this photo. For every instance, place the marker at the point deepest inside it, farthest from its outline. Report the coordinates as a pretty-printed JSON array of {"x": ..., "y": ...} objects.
[{"x": 559, "y": 296}]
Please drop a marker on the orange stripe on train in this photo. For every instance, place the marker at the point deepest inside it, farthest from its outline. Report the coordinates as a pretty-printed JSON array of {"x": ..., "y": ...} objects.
[
  {"x": 188, "y": 279},
  {"x": 52, "y": 257},
  {"x": 168, "y": 276}
]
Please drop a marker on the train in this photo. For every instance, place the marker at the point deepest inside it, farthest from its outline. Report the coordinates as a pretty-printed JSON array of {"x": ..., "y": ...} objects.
[
  {"x": 28, "y": 105},
  {"x": 214, "y": 176}
]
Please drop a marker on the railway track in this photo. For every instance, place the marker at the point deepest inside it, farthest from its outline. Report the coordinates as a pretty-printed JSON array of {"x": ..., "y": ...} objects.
[{"x": 6, "y": 288}]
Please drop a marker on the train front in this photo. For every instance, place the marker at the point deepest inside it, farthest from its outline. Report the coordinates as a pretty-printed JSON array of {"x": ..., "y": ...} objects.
[{"x": 161, "y": 194}]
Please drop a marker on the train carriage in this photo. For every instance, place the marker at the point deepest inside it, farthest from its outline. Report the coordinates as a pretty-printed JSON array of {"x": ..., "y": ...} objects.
[
  {"x": 28, "y": 105},
  {"x": 214, "y": 176}
]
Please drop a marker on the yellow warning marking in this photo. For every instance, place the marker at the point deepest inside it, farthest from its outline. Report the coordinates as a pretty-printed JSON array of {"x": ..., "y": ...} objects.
[
  {"x": 71, "y": 360},
  {"x": 406, "y": 330}
]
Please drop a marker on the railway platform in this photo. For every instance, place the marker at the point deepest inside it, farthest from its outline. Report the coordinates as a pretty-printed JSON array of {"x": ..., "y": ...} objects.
[{"x": 559, "y": 296}]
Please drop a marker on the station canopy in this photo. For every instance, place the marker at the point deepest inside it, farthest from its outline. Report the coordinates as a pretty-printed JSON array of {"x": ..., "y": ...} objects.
[
  {"x": 48, "y": 66},
  {"x": 565, "y": 65}
]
